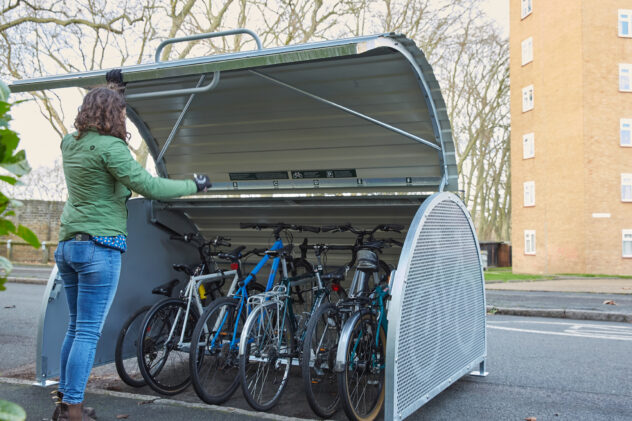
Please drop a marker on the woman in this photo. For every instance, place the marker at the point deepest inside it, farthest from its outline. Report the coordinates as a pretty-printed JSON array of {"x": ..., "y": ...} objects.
[{"x": 100, "y": 172}]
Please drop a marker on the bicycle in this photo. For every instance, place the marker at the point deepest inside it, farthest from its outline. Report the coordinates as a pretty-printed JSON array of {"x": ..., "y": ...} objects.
[
  {"x": 361, "y": 353},
  {"x": 214, "y": 362},
  {"x": 273, "y": 333},
  {"x": 164, "y": 337},
  {"x": 125, "y": 351},
  {"x": 320, "y": 345}
]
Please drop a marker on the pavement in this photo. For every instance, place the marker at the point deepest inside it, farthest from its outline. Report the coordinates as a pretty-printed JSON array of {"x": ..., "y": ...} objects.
[
  {"x": 118, "y": 405},
  {"x": 600, "y": 299}
]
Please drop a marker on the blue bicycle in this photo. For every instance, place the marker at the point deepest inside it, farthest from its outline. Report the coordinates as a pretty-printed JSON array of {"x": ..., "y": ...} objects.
[{"x": 214, "y": 362}]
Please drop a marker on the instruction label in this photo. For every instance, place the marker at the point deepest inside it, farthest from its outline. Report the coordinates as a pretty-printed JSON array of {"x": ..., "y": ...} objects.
[{"x": 349, "y": 173}]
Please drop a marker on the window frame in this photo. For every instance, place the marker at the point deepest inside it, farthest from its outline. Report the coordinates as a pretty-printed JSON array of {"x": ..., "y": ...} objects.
[
  {"x": 529, "y": 235},
  {"x": 626, "y": 181},
  {"x": 625, "y": 232},
  {"x": 621, "y": 20},
  {"x": 528, "y": 139},
  {"x": 528, "y": 191},
  {"x": 625, "y": 122},
  {"x": 625, "y": 68},
  {"x": 526, "y": 59},
  {"x": 526, "y": 106},
  {"x": 523, "y": 13}
]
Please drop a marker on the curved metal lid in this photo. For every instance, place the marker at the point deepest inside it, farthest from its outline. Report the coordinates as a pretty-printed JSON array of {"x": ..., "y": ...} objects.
[{"x": 355, "y": 115}]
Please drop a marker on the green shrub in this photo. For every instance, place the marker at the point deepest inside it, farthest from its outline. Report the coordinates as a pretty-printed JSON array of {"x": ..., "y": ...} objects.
[{"x": 13, "y": 161}]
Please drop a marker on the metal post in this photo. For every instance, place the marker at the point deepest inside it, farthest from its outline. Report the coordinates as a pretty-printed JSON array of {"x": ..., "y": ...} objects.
[{"x": 347, "y": 110}]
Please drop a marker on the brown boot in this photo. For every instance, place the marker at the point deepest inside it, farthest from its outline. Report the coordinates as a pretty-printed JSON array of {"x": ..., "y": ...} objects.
[
  {"x": 58, "y": 397},
  {"x": 73, "y": 412}
]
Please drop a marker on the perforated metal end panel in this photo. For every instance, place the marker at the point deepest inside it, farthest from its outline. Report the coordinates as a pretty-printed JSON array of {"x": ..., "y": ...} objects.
[{"x": 436, "y": 320}]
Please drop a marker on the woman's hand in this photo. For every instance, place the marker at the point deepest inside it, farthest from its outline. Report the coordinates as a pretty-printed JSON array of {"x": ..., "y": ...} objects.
[{"x": 202, "y": 182}]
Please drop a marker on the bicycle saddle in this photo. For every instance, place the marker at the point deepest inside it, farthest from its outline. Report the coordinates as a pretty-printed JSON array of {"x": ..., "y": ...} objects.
[
  {"x": 166, "y": 288},
  {"x": 183, "y": 268},
  {"x": 367, "y": 261}
]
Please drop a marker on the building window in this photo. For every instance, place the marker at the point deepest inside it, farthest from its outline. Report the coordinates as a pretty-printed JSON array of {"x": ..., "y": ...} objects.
[
  {"x": 625, "y": 23},
  {"x": 527, "y": 50},
  {"x": 529, "y": 242},
  {"x": 625, "y": 77},
  {"x": 527, "y": 98},
  {"x": 626, "y": 132},
  {"x": 527, "y": 8},
  {"x": 528, "y": 146},
  {"x": 627, "y": 243},
  {"x": 529, "y": 193},
  {"x": 626, "y": 187}
]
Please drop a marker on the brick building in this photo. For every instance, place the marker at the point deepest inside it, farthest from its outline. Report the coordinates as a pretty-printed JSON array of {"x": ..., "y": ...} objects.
[{"x": 571, "y": 140}]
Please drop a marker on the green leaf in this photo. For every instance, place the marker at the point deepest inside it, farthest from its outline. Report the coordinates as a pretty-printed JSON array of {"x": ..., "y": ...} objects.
[
  {"x": 28, "y": 236},
  {"x": 8, "y": 142},
  {"x": 6, "y": 227},
  {"x": 17, "y": 164},
  {"x": 10, "y": 411},
  {"x": 8, "y": 179}
]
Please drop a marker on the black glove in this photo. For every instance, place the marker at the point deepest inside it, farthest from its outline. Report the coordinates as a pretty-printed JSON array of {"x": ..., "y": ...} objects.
[
  {"x": 115, "y": 76},
  {"x": 202, "y": 182}
]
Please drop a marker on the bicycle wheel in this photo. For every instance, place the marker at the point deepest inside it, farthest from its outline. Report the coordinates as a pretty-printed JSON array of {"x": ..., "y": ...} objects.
[
  {"x": 361, "y": 383},
  {"x": 266, "y": 357},
  {"x": 163, "y": 362},
  {"x": 318, "y": 359},
  {"x": 127, "y": 343},
  {"x": 214, "y": 364}
]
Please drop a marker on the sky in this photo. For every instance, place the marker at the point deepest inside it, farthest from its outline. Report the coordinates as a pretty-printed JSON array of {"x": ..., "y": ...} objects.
[{"x": 41, "y": 142}]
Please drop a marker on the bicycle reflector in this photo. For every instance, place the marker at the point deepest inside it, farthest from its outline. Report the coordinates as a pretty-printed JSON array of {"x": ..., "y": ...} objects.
[
  {"x": 234, "y": 266},
  {"x": 335, "y": 287}
]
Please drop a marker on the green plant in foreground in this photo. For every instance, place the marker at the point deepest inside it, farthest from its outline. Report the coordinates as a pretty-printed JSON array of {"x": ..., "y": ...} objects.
[
  {"x": 14, "y": 163},
  {"x": 10, "y": 411}
]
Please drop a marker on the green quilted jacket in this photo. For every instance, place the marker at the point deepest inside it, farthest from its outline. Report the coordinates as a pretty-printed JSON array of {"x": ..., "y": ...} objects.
[{"x": 100, "y": 172}]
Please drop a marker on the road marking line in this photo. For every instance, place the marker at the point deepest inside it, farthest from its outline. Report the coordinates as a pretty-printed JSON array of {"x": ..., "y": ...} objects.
[
  {"x": 602, "y": 326},
  {"x": 577, "y": 335}
]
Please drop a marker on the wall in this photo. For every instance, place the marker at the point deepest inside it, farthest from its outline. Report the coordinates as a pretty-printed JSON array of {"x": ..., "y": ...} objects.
[{"x": 42, "y": 217}]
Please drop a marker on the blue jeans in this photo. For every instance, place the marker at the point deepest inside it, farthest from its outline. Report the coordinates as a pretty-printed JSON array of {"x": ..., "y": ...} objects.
[{"x": 90, "y": 274}]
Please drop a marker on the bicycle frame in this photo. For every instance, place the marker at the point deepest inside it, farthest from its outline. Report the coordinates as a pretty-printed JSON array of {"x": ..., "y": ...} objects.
[
  {"x": 242, "y": 294},
  {"x": 192, "y": 295}
]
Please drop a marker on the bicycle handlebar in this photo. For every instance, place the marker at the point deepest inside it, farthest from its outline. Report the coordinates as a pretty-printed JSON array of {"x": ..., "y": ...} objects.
[{"x": 278, "y": 227}]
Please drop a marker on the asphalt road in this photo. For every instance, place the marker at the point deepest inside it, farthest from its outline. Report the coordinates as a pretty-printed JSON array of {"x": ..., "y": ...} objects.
[{"x": 550, "y": 369}]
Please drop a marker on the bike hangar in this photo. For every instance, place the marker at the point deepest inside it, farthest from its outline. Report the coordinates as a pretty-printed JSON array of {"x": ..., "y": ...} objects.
[{"x": 351, "y": 130}]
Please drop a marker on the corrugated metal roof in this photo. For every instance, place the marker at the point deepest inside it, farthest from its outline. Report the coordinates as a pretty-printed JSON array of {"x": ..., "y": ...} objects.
[{"x": 252, "y": 135}]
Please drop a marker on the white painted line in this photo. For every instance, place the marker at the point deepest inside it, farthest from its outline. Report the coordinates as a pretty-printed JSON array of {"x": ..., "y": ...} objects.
[
  {"x": 600, "y": 326},
  {"x": 565, "y": 333}
]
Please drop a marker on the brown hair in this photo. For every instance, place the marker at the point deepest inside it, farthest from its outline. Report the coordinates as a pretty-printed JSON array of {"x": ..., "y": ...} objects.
[{"x": 102, "y": 110}]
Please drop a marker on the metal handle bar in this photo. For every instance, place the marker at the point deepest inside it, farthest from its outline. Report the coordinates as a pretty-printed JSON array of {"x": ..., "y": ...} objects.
[
  {"x": 205, "y": 36},
  {"x": 278, "y": 226},
  {"x": 199, "y": 88}
]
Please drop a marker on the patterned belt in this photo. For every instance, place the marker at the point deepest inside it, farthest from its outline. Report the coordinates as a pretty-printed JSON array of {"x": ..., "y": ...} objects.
[{"x": 82, "y": 237}]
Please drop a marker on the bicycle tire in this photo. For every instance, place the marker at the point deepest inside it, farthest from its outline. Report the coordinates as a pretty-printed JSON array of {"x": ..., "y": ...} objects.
[
  {"x": 320, "y": 381},
  {"x": 268, "y": 346},
  {"x": 216, "y": 360},
  {"x": 360, "y": 353},
  {"x": 167, "y": 377},
  {"x": 127, "y": 368}
]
